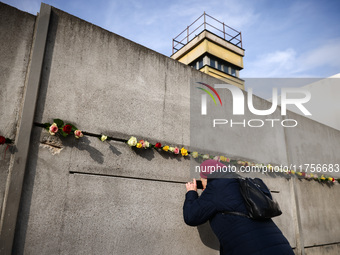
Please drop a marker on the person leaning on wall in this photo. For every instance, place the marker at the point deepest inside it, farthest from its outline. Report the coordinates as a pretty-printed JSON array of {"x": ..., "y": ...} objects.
[{"x": 238, "y": 235}]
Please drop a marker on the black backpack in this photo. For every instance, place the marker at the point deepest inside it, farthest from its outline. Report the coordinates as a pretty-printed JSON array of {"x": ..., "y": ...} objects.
[{"x": 258, "y": 200}]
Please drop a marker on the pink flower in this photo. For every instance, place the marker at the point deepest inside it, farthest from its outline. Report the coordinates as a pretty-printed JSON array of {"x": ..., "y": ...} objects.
[
  {"x": 53, "y": 129},
  {"x": 78, "y": 133},
  {"x": 145, "y": 144},
  {"x": 176, "y": 150}
]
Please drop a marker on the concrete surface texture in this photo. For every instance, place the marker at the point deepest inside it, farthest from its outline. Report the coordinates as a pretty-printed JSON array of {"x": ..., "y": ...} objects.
[
  {"x": 89, "y": 197},
  {"x": 323, "y": 102},
  {"x": 16, "y": 33}
]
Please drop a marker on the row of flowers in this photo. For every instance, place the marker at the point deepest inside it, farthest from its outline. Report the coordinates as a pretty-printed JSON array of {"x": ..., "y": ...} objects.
[
  {"x": 133, "y": 142},
  {"x": 58, "y": 127},
  {"x": 146, "y": 145}
]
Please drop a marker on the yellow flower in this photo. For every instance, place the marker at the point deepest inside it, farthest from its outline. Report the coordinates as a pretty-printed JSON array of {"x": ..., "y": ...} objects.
[
  {"x": 184, "y": 152},
  {"x": 299, "y": 173},
  {"x": 166, "y": 148},
  {"x": 103, "y": 138},
  {"x": 139, "y": 145},
  {"x": 194, "y": 154},
  {"x": 132, "y": 141},
  {"x": 330, "y": 178},
  {"x": 293, "y": 172},
  {"x": 323, "y": 178},
  {"x": 223, "y": 158}
]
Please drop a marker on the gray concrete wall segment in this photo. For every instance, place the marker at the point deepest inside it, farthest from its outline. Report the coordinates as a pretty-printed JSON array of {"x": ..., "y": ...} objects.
[
  {"x": 16, "y": 33},
  {"x": 286, "y": 221},
  {"x": 320, "y": 212},
  {"x": 300, "y": 243},
  {"x": 332, "y": 249},
  {"x": 312, "y": 143},
  {"x": 127, "y": 210},
  {"x": 16, "y": 173},
  {"x": 40, "y": 217}
]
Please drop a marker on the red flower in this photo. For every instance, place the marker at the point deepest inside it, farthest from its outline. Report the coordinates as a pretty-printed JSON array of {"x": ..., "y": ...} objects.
[
  {"x": 2, "y": 140},
  {"x": 158, "y": 145},
  {"x": 67, "y": 129}
]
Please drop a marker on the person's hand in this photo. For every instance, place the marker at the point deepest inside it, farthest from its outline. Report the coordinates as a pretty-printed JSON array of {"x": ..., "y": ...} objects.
[{"x": 191, "y": 185}]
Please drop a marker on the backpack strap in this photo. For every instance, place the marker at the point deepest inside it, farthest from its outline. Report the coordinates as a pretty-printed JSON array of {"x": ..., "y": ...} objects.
[{"x": 236, "y": 213}]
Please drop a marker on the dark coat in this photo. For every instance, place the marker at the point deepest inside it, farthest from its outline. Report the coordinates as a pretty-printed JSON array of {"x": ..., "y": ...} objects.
[{"x": 238, "y": 235}]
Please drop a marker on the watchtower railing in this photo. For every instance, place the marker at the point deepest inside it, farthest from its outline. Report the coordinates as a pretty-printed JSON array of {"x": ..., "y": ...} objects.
[{"x": 202, "y": 23}]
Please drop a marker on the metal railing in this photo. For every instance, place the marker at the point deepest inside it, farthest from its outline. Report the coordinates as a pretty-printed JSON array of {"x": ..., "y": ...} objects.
[{"x": 227, "y": 33}]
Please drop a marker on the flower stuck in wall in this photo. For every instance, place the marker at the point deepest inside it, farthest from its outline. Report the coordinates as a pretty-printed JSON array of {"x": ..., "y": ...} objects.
[
  {"x": 53, "y": 129},
  {"x": 67, "y": 129},
  {"x": 78, "y": 134},
  {"x": 184, "y": 152},
  {"x": 4, "y": 140},
  {"x": 58, "y": 127},
  {"x": 132, "y": 141}
]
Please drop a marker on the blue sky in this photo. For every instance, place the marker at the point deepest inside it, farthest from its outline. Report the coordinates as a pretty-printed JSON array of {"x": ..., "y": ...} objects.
[{"x": 291, "y": 38}]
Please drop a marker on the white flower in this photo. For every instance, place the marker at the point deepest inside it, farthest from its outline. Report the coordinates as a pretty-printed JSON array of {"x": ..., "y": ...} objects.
[{"x": 132, "y": 141}]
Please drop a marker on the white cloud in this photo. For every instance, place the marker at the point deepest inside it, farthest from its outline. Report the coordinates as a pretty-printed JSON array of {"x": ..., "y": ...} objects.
[
  {"x": 328, "y": 54},
  {"x": 290, "y": 63},
  {"x": 274, "y": 64}
]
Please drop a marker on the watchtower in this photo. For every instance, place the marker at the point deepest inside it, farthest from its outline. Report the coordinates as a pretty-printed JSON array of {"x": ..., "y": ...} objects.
[{"x": 212, "y": 47}]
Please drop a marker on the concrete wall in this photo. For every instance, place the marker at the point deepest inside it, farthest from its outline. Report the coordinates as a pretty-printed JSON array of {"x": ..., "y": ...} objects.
[
  {"x": 16, "y": 35},
  {"x": 88, "y": 197}
]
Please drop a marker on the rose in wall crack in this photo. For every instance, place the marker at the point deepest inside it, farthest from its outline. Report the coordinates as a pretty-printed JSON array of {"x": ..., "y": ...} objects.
[
  {"x": 67, "y": 129},
  {"x": 2, "y": 140},
  {"x": 78, "y": 134},
  {"x": 53, "y": 129}
]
